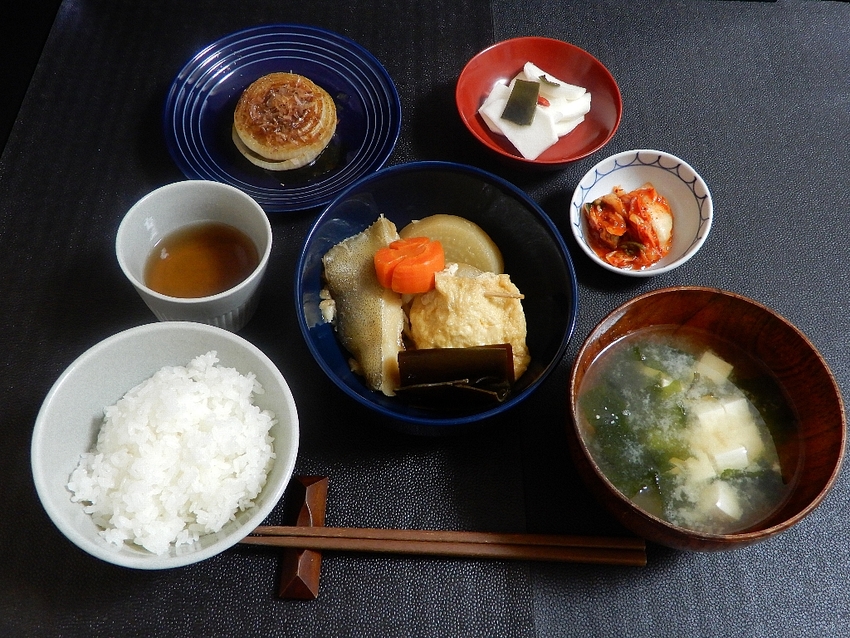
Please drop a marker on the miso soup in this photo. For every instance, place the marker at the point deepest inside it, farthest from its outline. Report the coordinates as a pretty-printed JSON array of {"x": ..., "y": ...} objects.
[{"x": 691, "y": 429}]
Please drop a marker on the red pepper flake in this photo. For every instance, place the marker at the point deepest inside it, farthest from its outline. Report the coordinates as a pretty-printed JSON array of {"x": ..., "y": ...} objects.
[{"x": 542, "y": 101}]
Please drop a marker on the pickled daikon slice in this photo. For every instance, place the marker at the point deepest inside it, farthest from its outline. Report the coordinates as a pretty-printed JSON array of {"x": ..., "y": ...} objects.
[{"x": 560, "y": 108}]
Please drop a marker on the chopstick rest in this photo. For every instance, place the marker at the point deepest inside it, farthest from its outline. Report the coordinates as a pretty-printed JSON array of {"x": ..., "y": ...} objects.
[{"x": 300, "y": 567}]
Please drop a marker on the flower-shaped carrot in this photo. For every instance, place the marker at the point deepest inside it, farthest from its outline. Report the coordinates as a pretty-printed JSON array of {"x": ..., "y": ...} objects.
[{"x": 407, "y": 266}]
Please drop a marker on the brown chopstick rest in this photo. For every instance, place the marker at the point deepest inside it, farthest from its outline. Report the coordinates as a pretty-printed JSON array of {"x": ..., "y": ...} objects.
[{"x": 300, "y": 568}]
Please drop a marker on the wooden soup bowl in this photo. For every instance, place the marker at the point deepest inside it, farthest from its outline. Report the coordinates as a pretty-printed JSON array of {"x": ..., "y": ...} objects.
[{"x": 811, "y": 461}]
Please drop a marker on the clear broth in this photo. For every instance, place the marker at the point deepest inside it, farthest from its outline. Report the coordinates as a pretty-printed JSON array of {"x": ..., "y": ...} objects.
[{"x": 200, "y": 260}]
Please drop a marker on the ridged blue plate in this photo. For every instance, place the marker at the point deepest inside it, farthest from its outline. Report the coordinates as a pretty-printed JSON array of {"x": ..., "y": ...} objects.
[{"x": 199, "y": 112}]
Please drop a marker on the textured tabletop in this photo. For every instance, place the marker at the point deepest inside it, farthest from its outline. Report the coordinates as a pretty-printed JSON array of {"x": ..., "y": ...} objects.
[{"x": 754, "y": 95}]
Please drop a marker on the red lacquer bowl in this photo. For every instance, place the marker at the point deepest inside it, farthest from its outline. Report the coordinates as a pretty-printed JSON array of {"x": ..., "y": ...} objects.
[{"x": 502, "y": 61}]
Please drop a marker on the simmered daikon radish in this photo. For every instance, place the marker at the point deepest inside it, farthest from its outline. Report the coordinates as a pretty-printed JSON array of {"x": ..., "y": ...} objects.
[{"x": 463, "y": 241}]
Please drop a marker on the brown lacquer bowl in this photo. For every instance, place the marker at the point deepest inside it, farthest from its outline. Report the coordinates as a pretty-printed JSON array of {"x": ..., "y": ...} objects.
[{"x": 811, "y": 459}]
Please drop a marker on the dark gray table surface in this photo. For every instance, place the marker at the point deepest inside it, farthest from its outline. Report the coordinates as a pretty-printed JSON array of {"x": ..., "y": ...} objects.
[{"x": 754, "y": 95}]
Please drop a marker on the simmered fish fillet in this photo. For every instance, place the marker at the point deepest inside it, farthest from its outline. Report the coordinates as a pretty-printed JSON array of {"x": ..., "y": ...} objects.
[{"x": 369, "y": 318}]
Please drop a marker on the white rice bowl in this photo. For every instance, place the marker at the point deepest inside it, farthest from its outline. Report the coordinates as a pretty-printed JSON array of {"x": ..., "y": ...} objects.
[{"x": 180, "y": 487}]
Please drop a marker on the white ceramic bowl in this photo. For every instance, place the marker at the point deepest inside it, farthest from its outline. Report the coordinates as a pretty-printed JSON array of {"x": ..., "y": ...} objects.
[
  {"x": 164, "y": 210},
  {"x": 70, "y": 418},
  {"x": 675, "y": 179}
]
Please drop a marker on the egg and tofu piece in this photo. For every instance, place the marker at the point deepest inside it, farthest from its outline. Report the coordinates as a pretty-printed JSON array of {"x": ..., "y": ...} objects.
[{"x": 470, "y": 309}]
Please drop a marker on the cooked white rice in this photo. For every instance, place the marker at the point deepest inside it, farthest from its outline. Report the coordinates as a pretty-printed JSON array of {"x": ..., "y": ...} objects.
[{"x": 177, "y": 456}]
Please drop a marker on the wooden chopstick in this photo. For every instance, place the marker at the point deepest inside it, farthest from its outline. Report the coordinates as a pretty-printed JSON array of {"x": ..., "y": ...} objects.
[{"x": 537, "y": 547}]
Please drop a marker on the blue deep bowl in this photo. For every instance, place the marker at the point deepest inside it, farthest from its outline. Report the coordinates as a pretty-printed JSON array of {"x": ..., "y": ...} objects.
[{"x": 535, "y": 257}]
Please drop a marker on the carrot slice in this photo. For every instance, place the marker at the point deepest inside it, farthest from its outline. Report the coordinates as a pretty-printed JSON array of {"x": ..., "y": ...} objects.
[
  {"x": 386, "y": 259},
  {"x": 407, "y": 266},
  {"x": 416, "y": 273}
]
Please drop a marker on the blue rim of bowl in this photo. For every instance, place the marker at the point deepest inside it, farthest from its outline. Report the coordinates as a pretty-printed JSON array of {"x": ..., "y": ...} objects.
[
  {"x": 420, "y": 417},
  {"x": 653, "y": 158},
  {"x": 198, "y": 111}
]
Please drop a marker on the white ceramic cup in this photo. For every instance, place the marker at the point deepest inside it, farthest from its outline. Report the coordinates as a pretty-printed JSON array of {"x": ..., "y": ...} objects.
[{"x": 174, "y": 206}]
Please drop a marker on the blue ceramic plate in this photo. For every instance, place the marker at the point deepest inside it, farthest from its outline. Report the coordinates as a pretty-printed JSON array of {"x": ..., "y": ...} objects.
[
  {"x": 535, "y": 257},
  {"x": 199, "y": 112}
]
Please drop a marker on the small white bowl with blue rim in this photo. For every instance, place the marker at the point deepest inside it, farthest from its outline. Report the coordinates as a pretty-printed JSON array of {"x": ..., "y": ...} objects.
[{"x": 675, "y": 179}]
